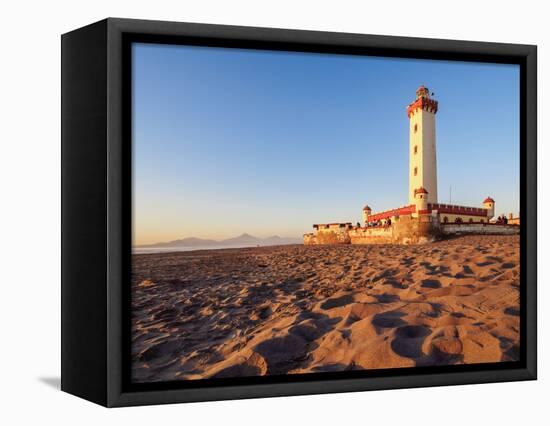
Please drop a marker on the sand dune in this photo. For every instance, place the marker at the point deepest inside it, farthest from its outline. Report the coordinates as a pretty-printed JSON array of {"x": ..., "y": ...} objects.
[{"x": 299, "y": 309}]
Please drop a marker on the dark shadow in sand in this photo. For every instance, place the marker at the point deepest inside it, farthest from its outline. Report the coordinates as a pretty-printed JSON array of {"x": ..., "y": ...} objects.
[
  {"x": 428, "y": 266},
  {"x": 387, "y": 298},
  {"x": 387, "y": 273},
  {"x": 291, "y": 285},
  {"x": 287, "y": 352},
  {"x": 240, "y": 370},
  {"x": 328, "y": 368},
  {"x": 407, "y": 261},
  {"x": 437, "y": 309},
  {"x": 409, "y": 339},
  {"x": 282, "y": 353},
  {"x": 396, "y": 284},
  {"x": 390, "y": 319},
  {"x": 430, "y": 284},
  {"x": 337, "y": 302},
  {"x": 467, "y": 270},
  {"x": 438, "y": 357},
  {"x": 512, "y": 311},
  {"x": 308, "y": 332}
]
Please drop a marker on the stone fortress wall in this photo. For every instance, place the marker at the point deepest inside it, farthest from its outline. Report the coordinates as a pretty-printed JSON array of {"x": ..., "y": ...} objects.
[{"x": 404, "y": 230}]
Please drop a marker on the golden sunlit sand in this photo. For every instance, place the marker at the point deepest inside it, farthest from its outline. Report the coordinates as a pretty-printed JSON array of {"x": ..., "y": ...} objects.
[{"x": 299, "y": 309}]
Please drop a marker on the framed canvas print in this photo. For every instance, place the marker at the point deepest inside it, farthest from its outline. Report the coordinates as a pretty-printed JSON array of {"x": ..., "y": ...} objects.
[{"x": 253, "y": 212}]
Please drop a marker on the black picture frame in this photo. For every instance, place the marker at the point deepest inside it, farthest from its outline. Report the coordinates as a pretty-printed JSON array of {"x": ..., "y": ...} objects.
[{"x": 96, "y": 200}]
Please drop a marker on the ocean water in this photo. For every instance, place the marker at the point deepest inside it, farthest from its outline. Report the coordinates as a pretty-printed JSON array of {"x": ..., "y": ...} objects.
[{"x": 149, "y": 250}]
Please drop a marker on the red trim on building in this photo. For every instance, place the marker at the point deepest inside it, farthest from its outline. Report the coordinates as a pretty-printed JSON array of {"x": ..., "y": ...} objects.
[
  {"x": 459, "y": 210},
  {"x": 509, "y": 225},
  {"x": 441, "y": 208},
  {"x": 390, "y": 213},
  {"x": 422, "y": 103},
  {"x": 326, "y": 225}
]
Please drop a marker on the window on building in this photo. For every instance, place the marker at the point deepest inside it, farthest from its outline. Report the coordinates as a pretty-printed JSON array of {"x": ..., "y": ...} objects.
[
  {"x": 415, "y": 149},
  {"x": 415, "y": 171},
  {"x": 415, "y": 128},
  {"x": 445, "y": 219},
  {"x": 471, "y": 220}
]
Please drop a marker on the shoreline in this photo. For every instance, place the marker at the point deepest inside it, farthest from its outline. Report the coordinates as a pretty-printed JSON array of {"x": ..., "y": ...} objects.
[{"x": 172, "y": 250}]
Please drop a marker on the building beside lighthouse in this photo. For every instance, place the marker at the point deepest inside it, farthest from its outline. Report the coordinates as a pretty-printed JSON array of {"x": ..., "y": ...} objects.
[{"x": 423, "y": 218}]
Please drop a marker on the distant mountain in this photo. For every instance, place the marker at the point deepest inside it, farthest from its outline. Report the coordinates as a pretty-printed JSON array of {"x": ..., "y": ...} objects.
[
  {"x": 184, "y": 242},
  {"x": 243, "y": 240}
]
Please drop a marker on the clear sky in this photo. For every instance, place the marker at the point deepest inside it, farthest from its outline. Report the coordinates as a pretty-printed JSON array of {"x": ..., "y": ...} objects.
[{"x": 227, "y": 141}]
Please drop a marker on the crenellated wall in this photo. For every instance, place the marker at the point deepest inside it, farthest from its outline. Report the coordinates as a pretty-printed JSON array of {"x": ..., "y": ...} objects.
[
  {"x": 403, "y": 230},
  {"x": 331, "y": 233},
  {"x": 479, "y": 228}
]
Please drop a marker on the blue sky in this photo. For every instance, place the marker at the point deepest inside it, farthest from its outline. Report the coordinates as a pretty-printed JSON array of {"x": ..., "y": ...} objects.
[{"x": 228, "y": 141}]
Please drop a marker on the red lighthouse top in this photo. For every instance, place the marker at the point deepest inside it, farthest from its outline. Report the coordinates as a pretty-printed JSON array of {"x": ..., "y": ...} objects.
[
  {"x": 422, "y": 91},
  {"x": 488, "y": 200},
  {"x": 422, "y": 101}
]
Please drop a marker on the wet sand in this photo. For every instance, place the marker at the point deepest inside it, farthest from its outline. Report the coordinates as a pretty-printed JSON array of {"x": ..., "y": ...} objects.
[{"x": 298, "y": 309}]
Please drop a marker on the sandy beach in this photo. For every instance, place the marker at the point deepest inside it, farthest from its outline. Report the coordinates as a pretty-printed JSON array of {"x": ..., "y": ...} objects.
[{"x": 299, "y": 309}]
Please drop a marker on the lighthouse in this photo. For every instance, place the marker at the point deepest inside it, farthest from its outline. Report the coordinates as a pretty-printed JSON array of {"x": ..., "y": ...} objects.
[{"x": 422, "y": 149}]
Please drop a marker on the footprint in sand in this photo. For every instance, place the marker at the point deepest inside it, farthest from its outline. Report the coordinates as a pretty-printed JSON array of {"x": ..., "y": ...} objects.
[
  {"x": 396, "y": 284},
  {"x": 390, "y": 319},
  {"x": 307, "y": 331},
  {"x": 337, "y": 302},
  {"x": 282, "y": 353},
  {"x": 430, "y": 284},
  {"x": 160, "y": 350},
  {"x": 409, "y": 339},
  {"x": 255, "y": 365},
  {"x": 512, "y": 311},
  {"x": 485, "y": 263},
  {"x": 387, "y": 298}
]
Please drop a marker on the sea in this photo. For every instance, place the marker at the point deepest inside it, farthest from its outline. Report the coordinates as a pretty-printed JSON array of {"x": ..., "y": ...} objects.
[{"x": 150, "y": 250}]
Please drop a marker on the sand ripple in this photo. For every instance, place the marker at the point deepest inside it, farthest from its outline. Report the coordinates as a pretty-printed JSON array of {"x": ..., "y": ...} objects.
[{"x": 298, "y": 309}]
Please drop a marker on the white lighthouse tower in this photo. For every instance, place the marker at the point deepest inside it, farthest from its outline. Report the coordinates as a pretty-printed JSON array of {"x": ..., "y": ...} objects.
[{"x": 422, "y": 157}]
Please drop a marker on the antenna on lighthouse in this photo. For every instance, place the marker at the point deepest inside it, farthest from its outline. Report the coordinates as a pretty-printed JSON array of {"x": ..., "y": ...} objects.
[{"x": 450, "y": 193}]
